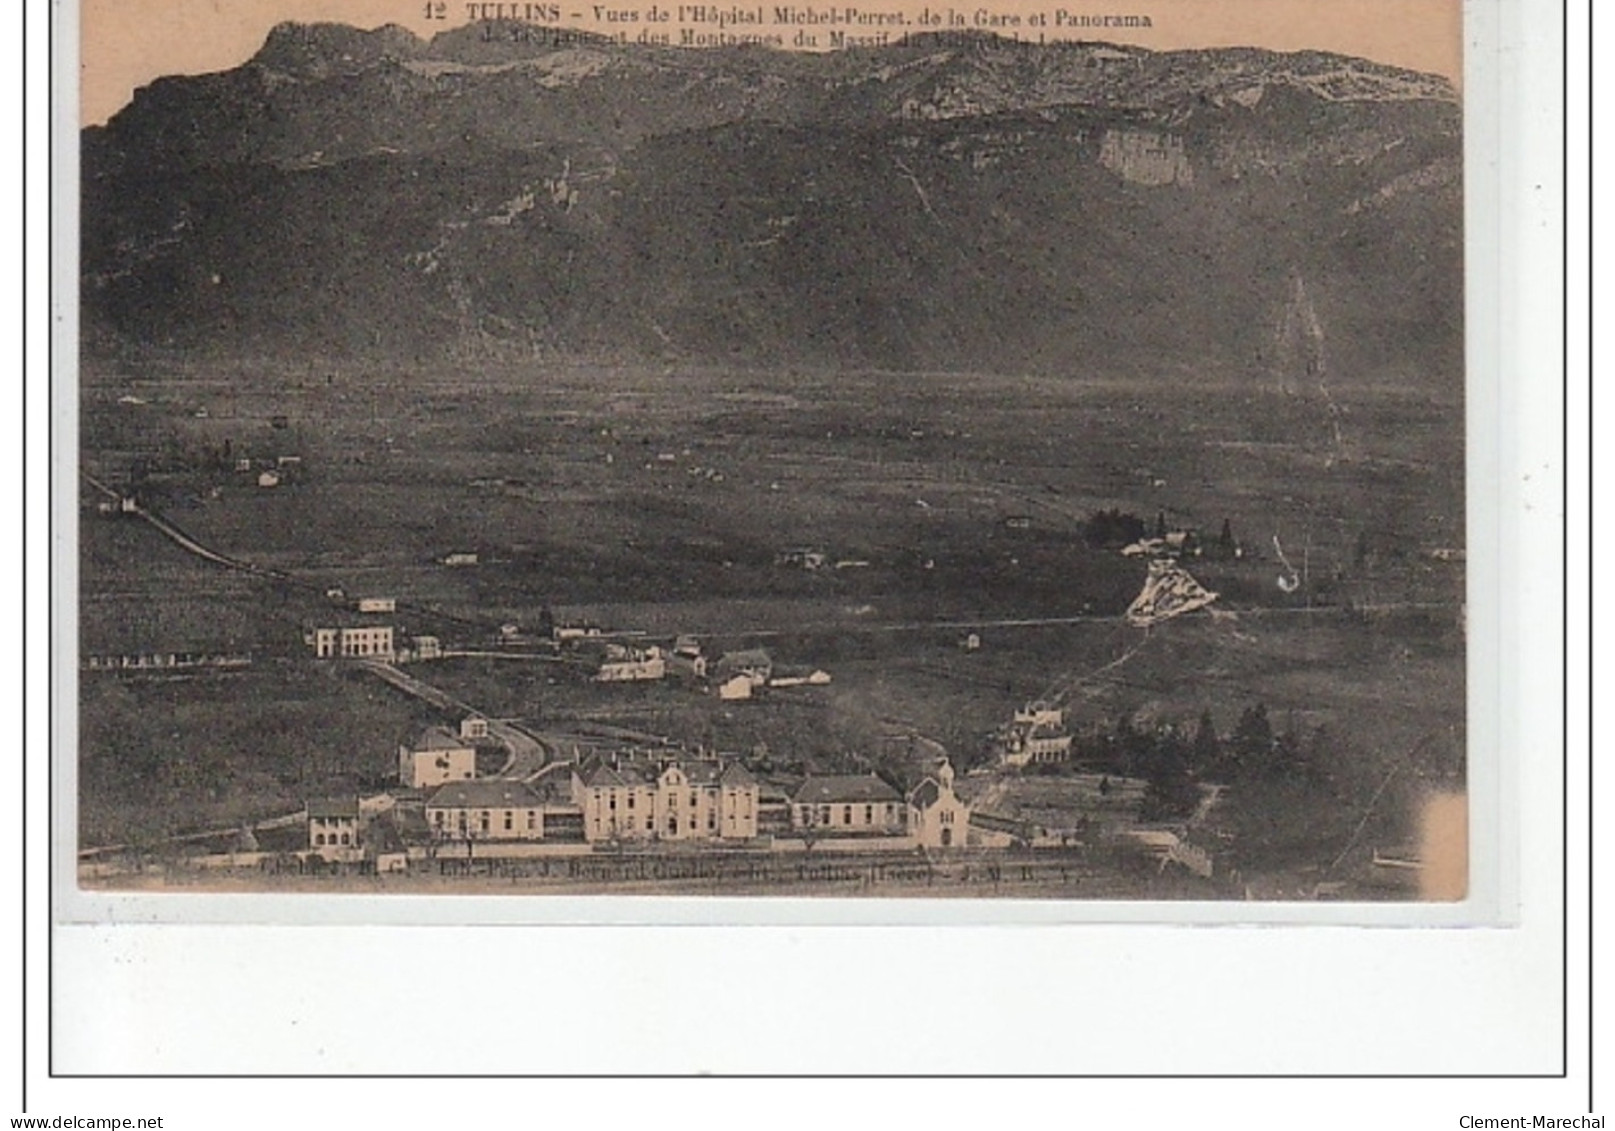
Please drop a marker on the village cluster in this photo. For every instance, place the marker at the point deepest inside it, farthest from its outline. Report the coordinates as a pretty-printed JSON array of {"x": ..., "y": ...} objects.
[
  {"x": 740, "y": 674},
  {"x": 472, "y": 787},
  {"x": 625, "y": 797}
]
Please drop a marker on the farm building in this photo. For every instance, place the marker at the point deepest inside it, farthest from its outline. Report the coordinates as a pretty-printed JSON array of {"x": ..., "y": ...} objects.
[
  {"x": 735, "y": 687},
  {"x": 687, "y": 666},
  {"x": 377, "y": 605},
  {"x": 753, "y": 663},
  {"x": 631, "y": 665},
  {"x": 269, "y": 479},
  {"x": 802, "y": 557},
  {"x": 798, "y": 677},
  {"x": 459, "y": 558}
]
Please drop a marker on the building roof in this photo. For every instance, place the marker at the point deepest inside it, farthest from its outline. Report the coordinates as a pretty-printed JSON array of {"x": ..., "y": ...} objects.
[
  {"x": 440, "y": 738},
  {"x": 736, "y": 774},
  {"x": 594, "y": 772},
  {"x": 325, "y": 808},
  {"x": 742, "y": 660},
  {"x": 490, "y": 793},
  {"x": 597, "y": 772},
  {"x": 699, "y": 772},
  {"x": 844, "y": 787},
  {"x": 925, "y": 795}
]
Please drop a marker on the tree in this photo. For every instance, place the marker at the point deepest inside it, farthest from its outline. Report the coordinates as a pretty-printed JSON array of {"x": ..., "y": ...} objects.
[
  {"x": 1286, "y": 761},
  {"x": 1171, "y": 790},
  {"x": 1160, "y": 524},
  {"x": 1207, "y": 748},
  {"x": 1252, "y": 741},
  {"x": 1113, "y": 528},
  {"x": 1132, "y": 746}
]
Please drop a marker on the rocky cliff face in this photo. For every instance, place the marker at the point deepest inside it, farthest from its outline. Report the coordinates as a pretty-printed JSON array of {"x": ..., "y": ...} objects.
[{"x": 942, "y": 203}]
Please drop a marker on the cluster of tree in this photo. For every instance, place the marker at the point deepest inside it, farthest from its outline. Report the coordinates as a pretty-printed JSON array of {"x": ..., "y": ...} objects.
[
  {"x": 1111, "y": 529},
  {"x": 174, "y": 453},
  {"x": 1108, "y": 529},
  {"x": 1176, "y": 758}
]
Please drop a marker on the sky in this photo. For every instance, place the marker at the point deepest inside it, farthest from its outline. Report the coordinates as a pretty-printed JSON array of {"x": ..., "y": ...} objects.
[{"x": 125, "y": 44}]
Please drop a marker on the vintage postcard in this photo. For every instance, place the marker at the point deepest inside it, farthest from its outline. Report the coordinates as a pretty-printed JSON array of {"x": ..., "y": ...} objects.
[{"x": 912, "y": 450}]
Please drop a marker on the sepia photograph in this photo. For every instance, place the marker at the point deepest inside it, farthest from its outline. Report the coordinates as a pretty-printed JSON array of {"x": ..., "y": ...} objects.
[{"x": 1012, "y": 452}]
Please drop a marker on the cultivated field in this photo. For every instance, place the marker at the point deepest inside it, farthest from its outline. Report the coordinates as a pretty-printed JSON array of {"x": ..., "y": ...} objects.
[{"x": 661, "y": 501}]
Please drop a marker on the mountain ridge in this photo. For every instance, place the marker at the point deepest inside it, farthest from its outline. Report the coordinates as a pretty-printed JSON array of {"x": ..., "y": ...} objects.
[{"x": 941, "y": 203}]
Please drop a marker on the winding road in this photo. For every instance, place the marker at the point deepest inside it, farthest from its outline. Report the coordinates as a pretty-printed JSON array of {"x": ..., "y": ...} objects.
[{"x": 528, "y": 753}]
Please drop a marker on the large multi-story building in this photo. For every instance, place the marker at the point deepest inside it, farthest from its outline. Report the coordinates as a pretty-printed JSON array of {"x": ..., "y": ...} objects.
[
  {"x": 362, "y": 641},
  {"x": 641, "y": 798},
  {"x": 1036, "y": 734},
  {"x": 493, "y": 809},
  {"x": 849, "y": 805}
]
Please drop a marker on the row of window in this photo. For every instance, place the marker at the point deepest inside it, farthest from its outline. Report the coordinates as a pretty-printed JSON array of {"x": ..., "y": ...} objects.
[
  {"x": 673, "y": 798},
  {"x": 320, "y": 840},
  {"x": 825, "y": 814},
  {"x": 628, "y": 824},
  {"x": 485, "y": 819},
  {"x": 365, "y": 648}
]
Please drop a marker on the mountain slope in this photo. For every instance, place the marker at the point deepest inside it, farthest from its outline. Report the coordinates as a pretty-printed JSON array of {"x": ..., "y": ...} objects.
[{"x": 944, "y": 203}]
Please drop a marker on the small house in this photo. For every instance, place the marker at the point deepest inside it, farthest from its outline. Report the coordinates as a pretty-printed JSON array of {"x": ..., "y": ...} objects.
[
  {"x": 269, "y": 479},
  {"x": 333, "y": 828},
  {"x": 735, "y": 687},
  {"x": 439, "y": 756},
  {"x": 801, "y": 556},
  {"x": 799, "y": 677},
  {"x": 753, "y": 663},
  {"x": 632, "y": 666}
]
